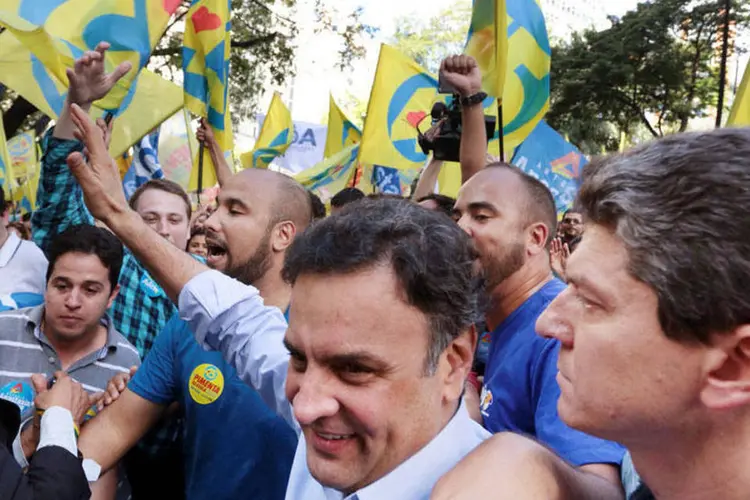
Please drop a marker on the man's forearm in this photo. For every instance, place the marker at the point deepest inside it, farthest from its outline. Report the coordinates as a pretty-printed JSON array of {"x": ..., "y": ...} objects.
[
  {"x": 221, "y": 167},
  {"x": 64, "y": 126},
  {"x": 426, "y": 182},
  {"x": 171, "y": 267},
  {"x": 473, "y": 152}
]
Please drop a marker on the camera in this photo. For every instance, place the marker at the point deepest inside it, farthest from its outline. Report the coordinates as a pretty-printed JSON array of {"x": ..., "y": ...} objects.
[{"x": 443, "y": 138}]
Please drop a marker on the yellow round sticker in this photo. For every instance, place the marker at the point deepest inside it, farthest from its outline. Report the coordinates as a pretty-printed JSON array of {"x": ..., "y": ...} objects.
[{"x": 206, "y": 384}]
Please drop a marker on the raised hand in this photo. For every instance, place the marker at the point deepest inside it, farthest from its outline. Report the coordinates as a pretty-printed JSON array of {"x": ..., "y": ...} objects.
[
  {"x": 558, "y": 257},
  {"x": 116, "y": 386},
  {"x": 100, "y": 179},
  {"x": 204, "y": 133},
  {"x": 88, "y": 81},
  {"x": 462, "y": 73}
]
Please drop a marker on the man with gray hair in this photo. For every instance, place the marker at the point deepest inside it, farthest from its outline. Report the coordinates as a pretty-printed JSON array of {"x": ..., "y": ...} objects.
[
  {"x": 655, "y": 325},
  {"x": 380, "y": 340}
]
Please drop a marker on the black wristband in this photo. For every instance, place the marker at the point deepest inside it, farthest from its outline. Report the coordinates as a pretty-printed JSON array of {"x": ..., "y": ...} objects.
[{"x": 473, "y": 100}]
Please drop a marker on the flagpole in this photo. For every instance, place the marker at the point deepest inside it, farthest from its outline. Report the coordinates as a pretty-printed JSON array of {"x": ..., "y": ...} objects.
[
  {"x": 201, "y": 148},
  {"x": 500, "y": 130}
]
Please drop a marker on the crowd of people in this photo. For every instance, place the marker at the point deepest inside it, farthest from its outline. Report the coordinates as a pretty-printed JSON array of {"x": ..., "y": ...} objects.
[{"x": 395, "y": 349}]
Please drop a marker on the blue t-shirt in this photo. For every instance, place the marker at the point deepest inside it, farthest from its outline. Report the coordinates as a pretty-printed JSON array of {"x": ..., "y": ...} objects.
[
  {"x": 234, "y": 445},
  {"x": 521, "y": 392}
]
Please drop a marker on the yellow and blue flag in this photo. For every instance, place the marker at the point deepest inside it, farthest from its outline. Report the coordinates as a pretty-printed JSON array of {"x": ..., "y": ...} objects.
[
  {"x": 22, "y": 149},
  {"x": 341, "y": 133},
  {"x": 6, "y": 166},
  {"x": 331, "y": 175},
  {"x": 739, "y": 116},
  {"x": 401, "y": 98},
  {"x": 488, "y": 43},
  {"x": 276, "y": 135},
  {"x": 56, "y": 31},
  {"x": 153, "y": 98},
  {"x": 525, "y": 93},
  {"x": 205, "y": 64}
]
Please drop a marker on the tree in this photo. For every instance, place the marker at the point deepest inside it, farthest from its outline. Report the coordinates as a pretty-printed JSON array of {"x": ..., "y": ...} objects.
[
  {"x": 655, "y": 69},
  {"x": 429, "y": 41},
  {"x": 263, "y": 43}
]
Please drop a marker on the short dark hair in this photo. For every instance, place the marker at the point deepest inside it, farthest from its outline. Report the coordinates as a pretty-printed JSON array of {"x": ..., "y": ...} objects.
[
  {"x": 89, "y": 240},
  {"x": 2, "y": 198},
  {"x": 318, "y": 208},
  {"x": 26, "y": 217},
  {"x": 573, "y": 210},
  {"x": 162, "y": 185},
  {"x": 430, "y": 255},
  {"x": 346, "y": 196},
  {"x": 540, "y": 204},
  {"x": 680, "y": 207},
  {"x": 444, "y": 203}
]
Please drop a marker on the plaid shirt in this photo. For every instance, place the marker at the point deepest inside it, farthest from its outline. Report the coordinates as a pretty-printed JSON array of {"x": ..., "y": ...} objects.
[{"x": 141, "y": 309}]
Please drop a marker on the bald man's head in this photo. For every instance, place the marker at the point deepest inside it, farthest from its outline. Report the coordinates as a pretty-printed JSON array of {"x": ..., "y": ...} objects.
[{"x": 259, "y": 214}]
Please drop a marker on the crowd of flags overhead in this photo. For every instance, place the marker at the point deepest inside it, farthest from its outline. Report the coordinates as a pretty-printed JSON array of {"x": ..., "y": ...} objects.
[{"x": 507, "y": 37}]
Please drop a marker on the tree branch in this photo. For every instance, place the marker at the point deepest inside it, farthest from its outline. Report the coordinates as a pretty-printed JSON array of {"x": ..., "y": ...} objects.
[
  {"x": 634, "y": 106},
  {"x": 236, "y": 44}
]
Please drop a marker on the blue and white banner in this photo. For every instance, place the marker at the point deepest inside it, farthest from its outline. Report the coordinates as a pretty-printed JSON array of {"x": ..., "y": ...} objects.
[
  {"x": 547, "y": 156},
  {"x": 145, "y": 164},
  {"x": 386, "y": 180}
]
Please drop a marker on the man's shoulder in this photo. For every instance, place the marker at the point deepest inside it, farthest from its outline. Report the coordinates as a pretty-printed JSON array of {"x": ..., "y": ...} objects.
[
  {"x": 19, "y": 316},
  {"x": 125, "y": 351},
  {"x": 30, "y": 250}
]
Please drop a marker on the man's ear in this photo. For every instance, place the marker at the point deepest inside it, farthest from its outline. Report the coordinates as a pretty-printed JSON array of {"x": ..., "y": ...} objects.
[
  {"x": 113, "y": 295},
  {"x": 456, "y": 361},
  {"x": 283, "y": 236},
  {"x": 538, "y": 236},
  {"x": 727, "y": 365}
]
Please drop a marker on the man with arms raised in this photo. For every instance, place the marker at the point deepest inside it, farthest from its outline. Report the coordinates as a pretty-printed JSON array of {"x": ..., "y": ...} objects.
[
  {"x": 511, "y": 217},
  {"x": 234, "y": 445},
  {"x": 380, "y": 335}
]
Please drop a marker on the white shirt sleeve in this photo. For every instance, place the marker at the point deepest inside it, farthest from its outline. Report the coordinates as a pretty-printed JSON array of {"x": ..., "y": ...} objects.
[
  {"x": 18, "y": 453},
  {"x": 231, "y": 318},
  {"x": 57, "y": 430}
]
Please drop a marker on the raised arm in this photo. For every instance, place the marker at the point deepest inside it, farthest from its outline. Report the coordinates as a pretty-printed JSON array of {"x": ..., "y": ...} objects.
[
  {"x": 222, "y": 312},
  {"x": 427, "y": 179},
  {"x": 59, "y": 198},
  {"x": 463, "y": 74},
  {"x": 206, "y": 135}
]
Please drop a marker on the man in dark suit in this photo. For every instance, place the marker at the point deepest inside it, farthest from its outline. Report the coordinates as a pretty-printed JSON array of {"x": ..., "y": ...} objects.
[{"x": 55, "y": 471}]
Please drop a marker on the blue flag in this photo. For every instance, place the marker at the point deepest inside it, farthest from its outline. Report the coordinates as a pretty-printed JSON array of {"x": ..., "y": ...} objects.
[
  {"x": 145, "y": 164},
  {"x": 547, "y": 156},
  {"x": 386, "y": 180}
]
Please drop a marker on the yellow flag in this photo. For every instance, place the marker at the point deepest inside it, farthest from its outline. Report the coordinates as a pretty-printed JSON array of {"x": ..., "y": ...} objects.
[
  {"x": 206, "y": 54},
  {"x": 58, "y": 31},
  {"x": 402, "y": 96},
  {"x": 341, "y": 131},
  {"x": 331, "y": 175},
  {"x": 449, "y": 179},
  {"x": 7, "y": 175},
  {"x": 276, "y": 135},
  {"x": 740, "y": 114},
  {"x": 488, "y": 43},
  {"x": 22, "y": 149},
  {"x": 525, "y": 93},
  {"x": 154, "y": 99}
]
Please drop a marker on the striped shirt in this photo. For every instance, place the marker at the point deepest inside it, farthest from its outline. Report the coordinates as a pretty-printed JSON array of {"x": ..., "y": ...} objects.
[{"x": 25, "y": 350}]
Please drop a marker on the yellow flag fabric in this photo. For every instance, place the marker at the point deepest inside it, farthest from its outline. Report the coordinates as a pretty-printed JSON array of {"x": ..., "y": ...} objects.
[
  {"x": 57, "y": 31},
  {"x": 488, "y": 43},
  {"x": 22, "y": 149},
  {"x": 276, "y": 135},
  {"x": 206, "y": 53},
  {"x": 342, "y": 133},
  {"x": 7, "y": 176},
  {"x": 331, "y": 175},
  {"x": 402, "y": 96},
  {"x": 449, "y": 179},
  {"x": 154, "y": 99},
  {"x": 740, "y": 113},
  {"x": 525, "y": 95}
]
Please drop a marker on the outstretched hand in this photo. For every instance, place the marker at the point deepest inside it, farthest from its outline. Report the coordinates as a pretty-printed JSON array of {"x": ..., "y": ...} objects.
[
  {"x": 100, "y": 178},
  {"x": 88, "y": 81},
  {"x": 558, "y": 257}
]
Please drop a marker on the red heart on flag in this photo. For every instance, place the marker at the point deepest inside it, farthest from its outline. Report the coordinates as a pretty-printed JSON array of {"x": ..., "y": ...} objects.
[
  {"x": 414, "y": 117},
  {"x": 171, "y": 5},
  {"x": 204, "y": 20}
]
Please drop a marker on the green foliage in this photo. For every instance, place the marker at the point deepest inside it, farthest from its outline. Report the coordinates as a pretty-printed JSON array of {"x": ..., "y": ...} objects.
[
  {"x": 655, "y": 69},
  {"x": 429, "y": 41}
]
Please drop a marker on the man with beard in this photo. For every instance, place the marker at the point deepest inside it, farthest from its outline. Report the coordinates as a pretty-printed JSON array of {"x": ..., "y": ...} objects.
[
  {"x": 511, "y": 217},
  {"x": 380, "y": 341},
  {"x": 234, "y": 445}
]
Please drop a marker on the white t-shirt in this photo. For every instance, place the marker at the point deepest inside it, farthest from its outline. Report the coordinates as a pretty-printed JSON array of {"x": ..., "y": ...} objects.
[{"x": 23, "y": 267}]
